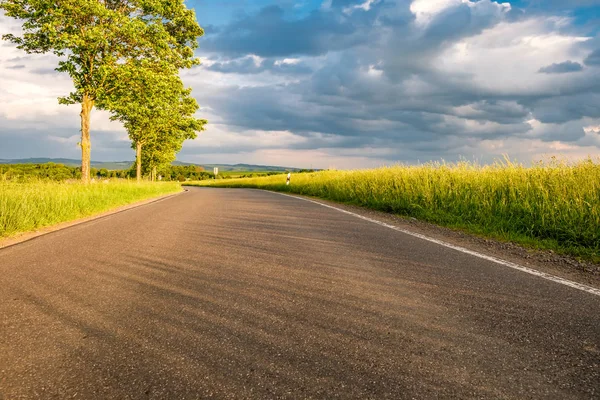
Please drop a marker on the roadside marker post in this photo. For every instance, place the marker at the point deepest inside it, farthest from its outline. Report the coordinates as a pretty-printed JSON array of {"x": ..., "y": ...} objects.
[{"x": 215, "y": 172}]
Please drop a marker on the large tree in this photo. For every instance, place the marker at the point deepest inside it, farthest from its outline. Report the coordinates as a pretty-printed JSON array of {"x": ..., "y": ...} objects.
[
  {"x": 155, "y": 108},
  {"x": 163, "y": 149},
  {"x": 94, "y": 37}
]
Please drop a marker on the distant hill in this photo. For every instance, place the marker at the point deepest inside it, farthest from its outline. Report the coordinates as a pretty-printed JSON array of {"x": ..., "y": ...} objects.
[
  {"x": 120, "y": 165},
  {"x": 244, "y": 167}
]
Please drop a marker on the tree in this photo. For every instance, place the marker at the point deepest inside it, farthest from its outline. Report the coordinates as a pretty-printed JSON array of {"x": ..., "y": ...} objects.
[
  {"x": 156, "y": 109},
  {"x": 95, "y": 37},
  {"x": 164, "y": 146}
]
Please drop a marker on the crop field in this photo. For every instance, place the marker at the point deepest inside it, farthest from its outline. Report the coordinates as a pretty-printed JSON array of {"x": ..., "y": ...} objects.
[
  {"x": 552, "y": 205},
  {"x": 32, "y": 205}
]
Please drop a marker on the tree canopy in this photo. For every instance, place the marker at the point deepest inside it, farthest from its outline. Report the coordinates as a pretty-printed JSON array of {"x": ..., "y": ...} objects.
[
  {"x": 156, "y": 109},
  {"x": 95, "y": 39}
]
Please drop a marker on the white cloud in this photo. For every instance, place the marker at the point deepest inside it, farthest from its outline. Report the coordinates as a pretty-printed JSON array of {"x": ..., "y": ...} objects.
[
  {"x": 290, "y": 61},
  {"x": 506, "y": 58},
  {"x": 426, "y": 10},
  {"x": 366, "y": 6},
  {"x": 592, "y": 129}
]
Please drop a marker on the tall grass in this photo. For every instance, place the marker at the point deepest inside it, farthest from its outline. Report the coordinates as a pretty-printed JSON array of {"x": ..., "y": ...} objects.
[
  {"x": 36, "y": 204},
  {"x": 552, "y": 205}
]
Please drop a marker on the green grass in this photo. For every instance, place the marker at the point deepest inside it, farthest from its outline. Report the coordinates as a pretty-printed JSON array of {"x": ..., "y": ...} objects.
[
  {"x": 33, "y": 205},
  {"x": 549, "y": 205}
]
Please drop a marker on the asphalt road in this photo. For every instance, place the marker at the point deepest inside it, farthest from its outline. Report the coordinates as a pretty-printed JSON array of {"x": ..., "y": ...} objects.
[{"x": 230, "y": 293}]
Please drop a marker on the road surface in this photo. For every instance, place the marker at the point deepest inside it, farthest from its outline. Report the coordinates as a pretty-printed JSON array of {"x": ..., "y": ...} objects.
[{"x": 232, "y": 293}]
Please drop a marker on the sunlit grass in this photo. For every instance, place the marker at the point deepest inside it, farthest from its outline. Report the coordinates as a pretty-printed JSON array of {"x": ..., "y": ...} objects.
[
  {"x": 33, "y": 205},
  {"x": 554, "y": 205}
]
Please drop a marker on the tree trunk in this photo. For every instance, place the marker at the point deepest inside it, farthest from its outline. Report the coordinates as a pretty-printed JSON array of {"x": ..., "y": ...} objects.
[
  {"x": 154, "y": 174},
  {"x": 138, "y": 154},
  {"x": 86, "y": 148}
]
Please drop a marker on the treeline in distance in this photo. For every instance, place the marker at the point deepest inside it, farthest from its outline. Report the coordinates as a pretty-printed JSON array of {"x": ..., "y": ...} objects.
[{"x": 60, "y": 172}]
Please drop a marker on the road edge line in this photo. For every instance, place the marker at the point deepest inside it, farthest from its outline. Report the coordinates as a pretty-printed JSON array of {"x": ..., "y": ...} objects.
[
  {"x": 531, "y": 271},
  {"x": 27, "y": 236}
]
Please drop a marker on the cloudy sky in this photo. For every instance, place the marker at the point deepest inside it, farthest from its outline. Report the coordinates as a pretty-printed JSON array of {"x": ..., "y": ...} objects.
[{"x": 353, "y": 83}]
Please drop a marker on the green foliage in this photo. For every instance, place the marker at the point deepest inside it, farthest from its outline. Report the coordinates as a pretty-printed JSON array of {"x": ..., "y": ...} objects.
[
  {"x": 37, "y": 204},
  {"x": 60, "y": 172},
  {"x": 552, "y": 205},
  {"x": 247, "y": 174},
  {"x": 100, "y": 42},
  {"x": 187, "y": 172},
  {"x": 94, "y": 37},
  {"x": 53, "y": 172},
  {"x": 156, "y": 109},
  {"x": 162, "y": 148},
  {"x": 49, "y": 171}
]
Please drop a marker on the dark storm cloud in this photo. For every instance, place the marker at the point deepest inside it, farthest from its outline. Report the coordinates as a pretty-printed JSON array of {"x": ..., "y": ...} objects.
[
  {"x": 593, "y": 59},
  {"x": 568, "y": 132},
  {"x": 462, "y": 21},
  {"x": 381, "y": 89},
  {"x": 270, "y": 34},
  {"x": 248, "y": 65},
  {"x": 500, "y": 111},
  {"x": 561, "y": 109},
  {"x": 562, "y": 68},
  {"x": 354, "y": 122}
]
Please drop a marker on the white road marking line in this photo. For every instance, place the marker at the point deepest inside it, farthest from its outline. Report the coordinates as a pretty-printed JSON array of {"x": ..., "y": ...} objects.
[{"x": 544, "y": 275}]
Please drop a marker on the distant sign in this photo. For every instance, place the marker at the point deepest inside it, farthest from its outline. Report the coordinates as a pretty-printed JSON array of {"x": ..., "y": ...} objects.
[{"x": 216, "y": 171}]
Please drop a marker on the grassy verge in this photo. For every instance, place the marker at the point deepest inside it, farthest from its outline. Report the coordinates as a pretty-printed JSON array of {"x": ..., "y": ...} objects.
[
  {"x": 33, "y": 205},
  {"x": 551, "y": 206}
]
